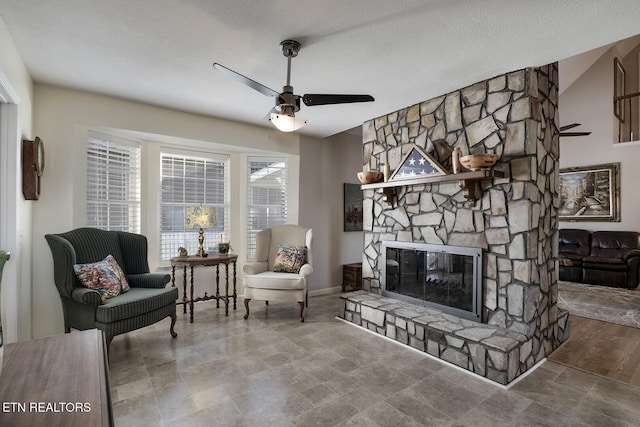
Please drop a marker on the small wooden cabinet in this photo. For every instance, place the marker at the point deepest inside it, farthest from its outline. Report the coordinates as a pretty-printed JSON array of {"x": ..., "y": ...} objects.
[{"x": 352, "y": 276}]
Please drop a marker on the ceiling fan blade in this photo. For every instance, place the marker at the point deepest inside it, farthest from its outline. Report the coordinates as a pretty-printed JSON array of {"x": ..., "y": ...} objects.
[
  {"x": 574, "y": 133},
  {"x": 311, "y": 99},
  {"x": 567, "y": 127},
  {"x": 245, "y": 80}
]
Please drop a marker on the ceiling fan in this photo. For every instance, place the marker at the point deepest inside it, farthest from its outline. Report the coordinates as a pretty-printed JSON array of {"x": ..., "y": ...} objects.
[
  {"x": 288, "y": 103},
  {"x": 563, "y": 130}
]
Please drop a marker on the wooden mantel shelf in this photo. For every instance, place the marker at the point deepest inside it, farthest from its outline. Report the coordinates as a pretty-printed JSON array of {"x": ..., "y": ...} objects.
[{"x": 468, "y": 182}]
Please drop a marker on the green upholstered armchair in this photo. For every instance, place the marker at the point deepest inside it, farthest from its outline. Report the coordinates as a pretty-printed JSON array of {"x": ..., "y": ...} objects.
[{"x": 148, "y": 301}]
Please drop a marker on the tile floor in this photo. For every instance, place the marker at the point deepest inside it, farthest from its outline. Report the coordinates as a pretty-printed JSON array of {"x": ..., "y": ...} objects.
[{"x": 272, "y": 370}]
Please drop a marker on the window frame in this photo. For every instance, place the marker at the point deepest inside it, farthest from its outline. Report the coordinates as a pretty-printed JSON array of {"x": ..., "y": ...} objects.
[
  {"x": 92, "y": 142},
  {"x": 269, "y": 222},
  {"x": 190, "y": 237}
]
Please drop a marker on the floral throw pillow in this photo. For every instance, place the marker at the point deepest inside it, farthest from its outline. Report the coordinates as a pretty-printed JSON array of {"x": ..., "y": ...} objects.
[
  {"x": 104, "y": 276},
  {"x": 289, "y": 259},
  {"x": 117, "y": 270}
]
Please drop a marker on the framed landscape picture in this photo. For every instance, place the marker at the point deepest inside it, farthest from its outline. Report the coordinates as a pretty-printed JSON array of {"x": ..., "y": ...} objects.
[
  {"x": 352, "y": 207},
  {"x": 590, "y": 193}
]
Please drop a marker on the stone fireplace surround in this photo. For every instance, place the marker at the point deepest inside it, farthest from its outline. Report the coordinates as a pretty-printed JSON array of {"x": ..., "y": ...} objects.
[{"x": 515, "y": 223}]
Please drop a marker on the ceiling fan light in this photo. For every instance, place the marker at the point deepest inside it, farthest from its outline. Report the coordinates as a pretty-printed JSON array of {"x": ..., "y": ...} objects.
[{"x": 286, "y": 123}]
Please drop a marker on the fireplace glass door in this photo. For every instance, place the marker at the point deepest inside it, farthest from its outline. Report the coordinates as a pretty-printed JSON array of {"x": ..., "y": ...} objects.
[{"x": 444, "y": 276}]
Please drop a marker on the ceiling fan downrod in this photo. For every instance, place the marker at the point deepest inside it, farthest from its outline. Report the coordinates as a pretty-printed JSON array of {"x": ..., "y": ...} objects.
[{"x": 287, "y": 102}]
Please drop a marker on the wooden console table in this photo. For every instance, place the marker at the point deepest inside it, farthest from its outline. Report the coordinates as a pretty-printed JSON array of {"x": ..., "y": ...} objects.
[
  {"x": 62, "y": 380},
  {"x": 210, "y": 261}
]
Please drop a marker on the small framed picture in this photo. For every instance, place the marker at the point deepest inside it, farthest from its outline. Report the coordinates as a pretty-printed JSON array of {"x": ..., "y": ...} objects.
[{"x": 352, "y": 207}]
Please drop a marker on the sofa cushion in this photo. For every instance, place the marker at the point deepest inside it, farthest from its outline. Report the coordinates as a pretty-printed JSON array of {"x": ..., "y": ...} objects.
[
  {"x": 574, "y": 241},
  {"x": 602, "y": 260},
  {"x": 613, "y": 244},
  {"x": 104, "y": 276},
  {"x": 86, "y": 250},
  {"x": 605, "y": 263},
  {"x": 134, "y": 303},
  {"x": 568, "y": 259},
  {"x": 274, "y": 280}
]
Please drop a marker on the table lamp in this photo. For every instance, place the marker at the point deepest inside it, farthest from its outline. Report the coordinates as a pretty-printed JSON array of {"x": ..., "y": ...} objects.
[{"x": 200, "y": 217}]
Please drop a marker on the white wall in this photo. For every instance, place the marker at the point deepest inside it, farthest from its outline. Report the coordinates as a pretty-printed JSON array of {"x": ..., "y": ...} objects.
[
  {"x": 589, "y": 101},
  {"x": 15, "y": 212},
  {"x": 62, "y": 118}
]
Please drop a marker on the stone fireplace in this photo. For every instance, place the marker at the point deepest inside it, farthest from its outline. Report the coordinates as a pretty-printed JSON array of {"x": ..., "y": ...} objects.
[{"x": 513, "y": 223}]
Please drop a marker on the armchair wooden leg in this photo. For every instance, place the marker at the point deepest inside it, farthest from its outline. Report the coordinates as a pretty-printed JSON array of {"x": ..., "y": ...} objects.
[
  {"x": 108, "y": 343},
  {"x": 246, "y": 306},
  {"x": 301, "y": 310},
  {"x": 67, "y": 329},
  {"x": 173, "y": 333},
  {"x": 266, "y": 302}
]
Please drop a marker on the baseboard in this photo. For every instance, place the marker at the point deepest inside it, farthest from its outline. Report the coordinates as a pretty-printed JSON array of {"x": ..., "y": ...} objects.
[{"x": 325, "y": 291}]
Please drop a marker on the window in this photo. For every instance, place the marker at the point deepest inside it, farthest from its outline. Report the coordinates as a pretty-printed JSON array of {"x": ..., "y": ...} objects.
[
  {"x": 267, "y": 197},
  {"x": 113, "y": 183},
  {"x": 187, "y": 184}
]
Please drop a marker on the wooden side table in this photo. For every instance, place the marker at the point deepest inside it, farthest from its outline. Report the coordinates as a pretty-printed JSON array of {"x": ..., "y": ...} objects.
[
  {"x": 213, "y": 260},
  {"x": 352, "y": 276},
  {"x": 61, "y": 380}
]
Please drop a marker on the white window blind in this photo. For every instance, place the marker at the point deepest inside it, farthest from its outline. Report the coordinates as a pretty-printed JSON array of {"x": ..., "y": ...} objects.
[
  {"x": 267, "y": 197},
  {"x": 188, "y": 183},
  {"x": 113, "y": 183}
]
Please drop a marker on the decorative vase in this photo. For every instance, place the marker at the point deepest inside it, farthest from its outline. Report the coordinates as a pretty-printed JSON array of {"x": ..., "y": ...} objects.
[
  {"x": 223, "y": 248},
  {"x": 455, "y": 159},
  {"x": 387, "y": 172},
  {"x": 4, "y": 257}
]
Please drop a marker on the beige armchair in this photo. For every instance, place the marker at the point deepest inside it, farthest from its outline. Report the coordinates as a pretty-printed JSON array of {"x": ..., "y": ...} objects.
[{"x": 263, "y": 283}]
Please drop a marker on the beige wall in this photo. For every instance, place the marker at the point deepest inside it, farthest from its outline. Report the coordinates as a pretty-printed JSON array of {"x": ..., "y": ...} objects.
[
  {"x": 15, "y": 212},
  {"x": 62, "y": 119},
  {"x": 325, "y": 165},
  {"x": 589, "y": 101}
]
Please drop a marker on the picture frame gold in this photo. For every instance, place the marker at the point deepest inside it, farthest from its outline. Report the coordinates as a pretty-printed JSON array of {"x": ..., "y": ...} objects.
[{"x": 590, "y": 193}]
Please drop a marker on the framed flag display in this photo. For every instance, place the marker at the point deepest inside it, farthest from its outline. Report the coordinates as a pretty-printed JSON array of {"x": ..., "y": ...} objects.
[{"x": 417, "y": 164}]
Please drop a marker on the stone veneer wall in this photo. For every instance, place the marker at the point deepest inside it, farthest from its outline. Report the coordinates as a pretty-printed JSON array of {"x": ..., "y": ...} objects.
[{"x": 515, "y": 222}]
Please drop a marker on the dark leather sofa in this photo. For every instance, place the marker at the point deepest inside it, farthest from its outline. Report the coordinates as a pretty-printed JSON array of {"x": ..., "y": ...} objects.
[{"x": 609, "y": 258}]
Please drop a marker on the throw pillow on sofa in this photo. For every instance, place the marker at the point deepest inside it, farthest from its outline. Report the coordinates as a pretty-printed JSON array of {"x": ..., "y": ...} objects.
[
  {"x": 117, "y": 270},
  {"x": 289, "y": 259},
  {"x": 104, "y": 276}
]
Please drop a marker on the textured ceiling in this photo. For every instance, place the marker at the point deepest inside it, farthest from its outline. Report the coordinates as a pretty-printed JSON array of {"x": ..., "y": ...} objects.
[{"x": 401, "y": 52}]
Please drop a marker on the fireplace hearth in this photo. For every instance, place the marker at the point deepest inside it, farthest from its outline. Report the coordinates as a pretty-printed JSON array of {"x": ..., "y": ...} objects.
[{"x": 445, "y": 277}]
